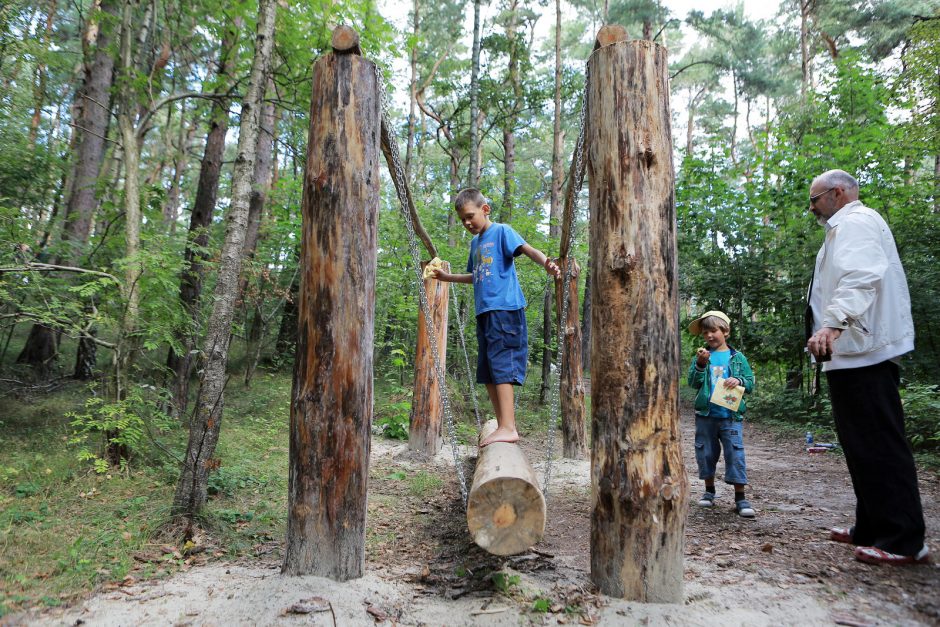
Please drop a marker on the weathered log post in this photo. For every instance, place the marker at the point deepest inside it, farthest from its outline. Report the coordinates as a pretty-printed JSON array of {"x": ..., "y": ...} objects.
[
  {"x": 505, "y": 508},
  {"x": 424, "y": 430},
  {"x": 571, "y": 386},
  {"x": 424, "y": 425},
  {"x": 331, "y": 403},
  {"x": 638, "y": 481}
]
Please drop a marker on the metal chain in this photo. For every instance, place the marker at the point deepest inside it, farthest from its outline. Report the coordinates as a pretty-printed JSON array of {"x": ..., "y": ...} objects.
[
  {"x": 399, "y": 174},
  {"x": 563, "y": 320},
  {"x": 466, "y": 359}
]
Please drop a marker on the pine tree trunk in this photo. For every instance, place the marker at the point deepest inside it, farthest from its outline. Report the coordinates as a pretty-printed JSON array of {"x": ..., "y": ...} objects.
[
  {"x": 331, "y": 408},
  {"x": 92, "y": 126},
  {"x": 637, "y": 475},
  {"x": 473, "y": 173},
  {"x": 200, "y": 220},
  {"x": 191, "y": 490}
]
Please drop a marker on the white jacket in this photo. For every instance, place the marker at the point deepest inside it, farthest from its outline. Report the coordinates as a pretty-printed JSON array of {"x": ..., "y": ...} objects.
[{"x": 859, "y": 286}]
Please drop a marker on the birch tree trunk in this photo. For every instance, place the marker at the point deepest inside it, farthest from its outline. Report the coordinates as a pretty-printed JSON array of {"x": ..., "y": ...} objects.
[
  {"x": 331, "y": 400},
  {"x": 637, "y": 476},
  {"x": 190, "y": 495}
]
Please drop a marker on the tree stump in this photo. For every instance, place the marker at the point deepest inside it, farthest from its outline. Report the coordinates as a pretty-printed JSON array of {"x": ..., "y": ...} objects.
[
  {"x": 331, "y": 407},
  {"x": 638, "y": 480},
  {"x": 506, "y": 509},
  {"x": 424, "y": 427}
]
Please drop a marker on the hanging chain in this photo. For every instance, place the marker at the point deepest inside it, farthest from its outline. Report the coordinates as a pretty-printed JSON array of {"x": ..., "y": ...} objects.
[
  {"x": 566, "y": 283},
  {"x": 466, "y": 359},
  {"x": 399, "y": 174}
]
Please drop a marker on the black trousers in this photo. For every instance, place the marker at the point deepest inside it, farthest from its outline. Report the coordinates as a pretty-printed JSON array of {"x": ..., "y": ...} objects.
[{"x": 869, "y": 419}]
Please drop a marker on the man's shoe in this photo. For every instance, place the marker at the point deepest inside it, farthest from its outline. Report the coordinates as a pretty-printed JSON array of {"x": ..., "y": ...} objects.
[
  {"x": 874, "y": 555},
  {"x": 744, "y": 509},
  {"x": 841, "y": 534},
  {"x": 707, "y": 500}
]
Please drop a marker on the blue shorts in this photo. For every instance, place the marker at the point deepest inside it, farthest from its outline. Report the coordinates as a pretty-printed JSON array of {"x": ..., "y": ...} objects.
[
  {"x": 502, "y": 347},
  {"x": 712, "y": 435}
]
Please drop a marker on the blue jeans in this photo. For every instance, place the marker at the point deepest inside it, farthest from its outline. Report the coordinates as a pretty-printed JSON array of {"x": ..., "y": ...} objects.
[{"x": 712, "y": 435}]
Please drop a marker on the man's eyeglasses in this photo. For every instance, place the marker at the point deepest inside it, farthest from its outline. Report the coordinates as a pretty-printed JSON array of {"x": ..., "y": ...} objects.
[{"x": 813, "y": 199}]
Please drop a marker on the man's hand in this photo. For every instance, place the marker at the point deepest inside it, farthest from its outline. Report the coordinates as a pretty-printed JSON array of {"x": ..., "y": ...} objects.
[
  {"x": 733, "y": 382},
  {"x": 820, "y": 345},
  {"x": 701, "y": 357}
]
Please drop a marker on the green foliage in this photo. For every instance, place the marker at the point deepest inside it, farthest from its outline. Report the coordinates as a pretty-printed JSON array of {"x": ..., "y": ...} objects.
[
  {"x": 504, "y": 583},
  {"x": 921, "y": 411},
  {"x": 124, "y": 423}
]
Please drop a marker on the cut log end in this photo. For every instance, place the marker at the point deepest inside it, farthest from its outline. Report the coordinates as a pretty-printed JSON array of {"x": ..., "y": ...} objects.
[
  {"x": 610, "y": 34},
  {"x": 345, "y": 40},
  {"x": 506, "y": 516},
  {"x": 505, "y": 508}
]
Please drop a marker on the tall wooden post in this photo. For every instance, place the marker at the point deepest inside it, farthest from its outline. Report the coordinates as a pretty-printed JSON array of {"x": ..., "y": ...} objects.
[
  {"x": 424, "y": 431},
  {"x": 331, "y": 403},
  {"x": 571, "y": 386},
  {"x": 637, "y": 476}
]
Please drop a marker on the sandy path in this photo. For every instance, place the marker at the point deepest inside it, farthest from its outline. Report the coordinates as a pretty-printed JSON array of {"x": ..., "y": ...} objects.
[{"x": 777, "y": 569}]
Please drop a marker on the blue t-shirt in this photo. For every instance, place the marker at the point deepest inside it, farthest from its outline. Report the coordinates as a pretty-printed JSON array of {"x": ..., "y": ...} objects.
[
  {"x": 718, "y": 368},
  {"x": 491, "y": 262}
]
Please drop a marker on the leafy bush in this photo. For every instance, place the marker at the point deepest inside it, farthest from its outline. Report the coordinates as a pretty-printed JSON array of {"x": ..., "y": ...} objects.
[
  {"x": 922, "y": 413},
  {"x": 393, "y": 420},
  {"x": 124, "y": 424}
]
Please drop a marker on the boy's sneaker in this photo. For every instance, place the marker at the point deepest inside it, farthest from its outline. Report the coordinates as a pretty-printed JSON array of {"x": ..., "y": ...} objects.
[
  {"x": 744, "y": 509},
  {"x": 707, "y": 500}
]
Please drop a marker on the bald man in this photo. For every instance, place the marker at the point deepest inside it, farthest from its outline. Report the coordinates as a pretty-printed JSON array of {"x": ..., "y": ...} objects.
[{"x": 860, "y": 309}]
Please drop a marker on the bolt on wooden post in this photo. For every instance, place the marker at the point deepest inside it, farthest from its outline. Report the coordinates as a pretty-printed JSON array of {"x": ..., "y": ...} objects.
[
  {"x": 638, "y": 481},
  {"x": 331, "y": 401}
]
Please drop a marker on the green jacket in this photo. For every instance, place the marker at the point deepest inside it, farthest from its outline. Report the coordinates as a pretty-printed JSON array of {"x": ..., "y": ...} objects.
[{"x": 699, "y": 379}]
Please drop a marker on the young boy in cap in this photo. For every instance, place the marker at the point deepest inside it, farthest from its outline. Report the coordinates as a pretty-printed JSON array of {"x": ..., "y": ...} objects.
[{"x": 718, "y": 428}]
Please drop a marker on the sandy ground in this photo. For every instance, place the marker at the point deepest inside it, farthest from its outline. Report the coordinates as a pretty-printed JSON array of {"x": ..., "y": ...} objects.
[{"x": 422, "y": 568}]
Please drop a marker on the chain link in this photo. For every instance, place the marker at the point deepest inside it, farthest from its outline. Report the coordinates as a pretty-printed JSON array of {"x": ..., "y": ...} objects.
[
  {"x": 466, "y": 359},
  {"x": 565, "y": 300},
  {"x": 399, "y": 177}
]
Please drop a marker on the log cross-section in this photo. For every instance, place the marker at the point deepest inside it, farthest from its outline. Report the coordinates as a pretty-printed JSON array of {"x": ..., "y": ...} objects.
[
  {"x": 637, "y": 477},
  {"x": 331, "y": 401},
  {"x": 505, "y": 509}
]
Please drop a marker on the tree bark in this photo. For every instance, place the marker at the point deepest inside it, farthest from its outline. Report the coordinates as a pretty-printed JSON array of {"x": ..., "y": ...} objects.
[
  {"x": 424, "y": 430},
  {"x": 554, "y": 209},
  {"x": 190, "y": 495},
  {"x": 331, "y": 408},
  {"x": 207, "y": 188},
  {"x": 473, "y": 173},
  {"x": 638, "y": 480},
  {"x": 571, "y": 387},
  {"x": 260, "y": 186},
  {"x": 91, "y": 124},
  {"x": 505, "y": 508}
]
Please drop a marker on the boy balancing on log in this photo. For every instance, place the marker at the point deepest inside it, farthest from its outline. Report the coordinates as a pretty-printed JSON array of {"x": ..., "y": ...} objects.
[{"x": 502, "y": 336}]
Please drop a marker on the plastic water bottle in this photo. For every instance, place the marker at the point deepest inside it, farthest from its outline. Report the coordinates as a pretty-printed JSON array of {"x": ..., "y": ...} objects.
[{"x": 809, "y": 438}]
